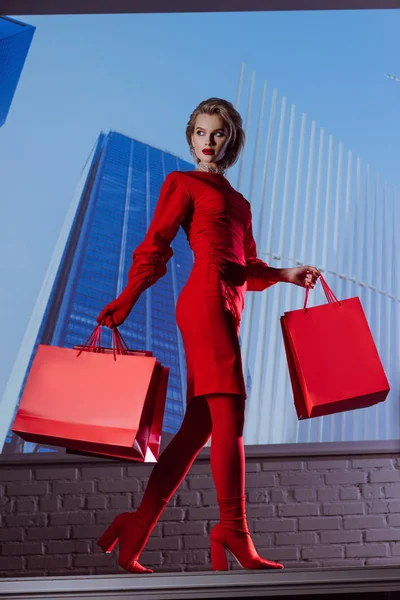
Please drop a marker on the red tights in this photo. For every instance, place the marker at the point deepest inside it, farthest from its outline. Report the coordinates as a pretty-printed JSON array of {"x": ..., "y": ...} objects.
[{"x": 222, "y": 417}]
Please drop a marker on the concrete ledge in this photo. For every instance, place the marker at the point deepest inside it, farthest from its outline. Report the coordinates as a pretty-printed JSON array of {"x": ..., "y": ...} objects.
[
  {"x": 233, "y": 584},
  {"x": 296, "y": 451}
]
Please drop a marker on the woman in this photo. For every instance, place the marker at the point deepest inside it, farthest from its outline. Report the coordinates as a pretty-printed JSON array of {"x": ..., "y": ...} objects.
[{"x": 218, "y": 223}]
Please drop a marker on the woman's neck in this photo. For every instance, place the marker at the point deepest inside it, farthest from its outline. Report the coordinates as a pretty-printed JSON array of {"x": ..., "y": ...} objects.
[{"x": 210, "y": 168}]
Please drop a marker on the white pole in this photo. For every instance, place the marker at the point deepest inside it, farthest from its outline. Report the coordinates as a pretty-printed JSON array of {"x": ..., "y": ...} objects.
[
  {"x": 247, "y": 126},
  {"x": 396, "y": 359},
  {"x": 289, "y": 418},
  {"x": 238, "y": 96},
  {"x": 336, "y": 248},
  {"x": 306, "y": 223},
  {"x": 366, "y": 414},
  {"x": 347, "y": 263},
  {"x": 268, "y": 347},
  {"x": 251, "y": 406},
  {"x": 258, "y": 140},
  {"x": 239, "y": 87},
  {"x": 320, "y": 422},
  {"x": 307, "y": 426},
  {"x": 263, "y": 360},
  {"x": 275, "y": 422},
  {"x": 247, "y": 323},
  {"x": 385, "y": 411},
  {"x": 376, "y": 270},
  {"x": 353, "y": 421}
]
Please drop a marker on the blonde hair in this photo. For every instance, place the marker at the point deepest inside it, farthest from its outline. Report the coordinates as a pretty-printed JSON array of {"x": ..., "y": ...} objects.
[{"x": 218, "y": 106}]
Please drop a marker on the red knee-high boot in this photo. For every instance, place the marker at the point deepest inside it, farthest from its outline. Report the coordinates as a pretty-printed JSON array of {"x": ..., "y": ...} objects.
[
  {"x": 227, "y": 464},
  {"x": 132, "y": 529}
]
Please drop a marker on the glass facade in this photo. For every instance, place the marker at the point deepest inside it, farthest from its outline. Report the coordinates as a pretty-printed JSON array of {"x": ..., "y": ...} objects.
[
  {"x": 116, "y": 204},
  {"x": 15, "y": 40}
]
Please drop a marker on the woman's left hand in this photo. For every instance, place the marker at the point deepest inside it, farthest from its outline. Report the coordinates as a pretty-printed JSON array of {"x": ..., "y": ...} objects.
[{"x": 304, "y": 276}]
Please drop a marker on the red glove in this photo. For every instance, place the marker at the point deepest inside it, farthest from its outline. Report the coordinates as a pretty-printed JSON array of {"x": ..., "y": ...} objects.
[{"x": 115, "y": 313}]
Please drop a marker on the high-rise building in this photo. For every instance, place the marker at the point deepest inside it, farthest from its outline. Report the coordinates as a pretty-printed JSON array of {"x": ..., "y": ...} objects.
[
  {"x": 108, "y": 219},
  {"x": 15, "y": 40},
  {"x": 314, "y": 202}
]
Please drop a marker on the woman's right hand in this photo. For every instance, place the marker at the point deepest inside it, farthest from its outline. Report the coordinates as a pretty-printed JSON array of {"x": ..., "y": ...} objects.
[{"x": 115, "y": 313}]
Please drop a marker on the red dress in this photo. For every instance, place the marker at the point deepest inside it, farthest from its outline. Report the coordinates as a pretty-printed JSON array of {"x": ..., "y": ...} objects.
[{"x": 218, "y": 224}]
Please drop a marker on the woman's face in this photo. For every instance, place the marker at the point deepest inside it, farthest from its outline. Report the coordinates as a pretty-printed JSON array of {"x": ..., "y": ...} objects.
[{"x": 210, "y": 138}]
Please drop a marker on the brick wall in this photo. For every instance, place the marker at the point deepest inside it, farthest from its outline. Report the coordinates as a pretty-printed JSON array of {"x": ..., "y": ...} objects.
[{"x": 304, "y": 511}]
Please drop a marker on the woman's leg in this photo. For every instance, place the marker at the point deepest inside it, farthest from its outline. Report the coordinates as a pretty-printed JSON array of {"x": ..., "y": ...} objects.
[
  {"x": 134, "y": 529},
  {"x": 228, "y": 469},
  {"x": 227, "y": 458},
  {"x": 176, "y": 460}
]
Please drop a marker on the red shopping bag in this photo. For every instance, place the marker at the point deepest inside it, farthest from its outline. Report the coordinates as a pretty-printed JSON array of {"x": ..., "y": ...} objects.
[
  {"x": 333, "y": 361},
  {"x": 101, "y": 400}
]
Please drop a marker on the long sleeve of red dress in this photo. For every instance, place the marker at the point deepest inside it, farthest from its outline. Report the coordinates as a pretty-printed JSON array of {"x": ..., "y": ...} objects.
[
  {"x": 257, "y": 270},
  {"x": 217, "y": 222},
  {"x": 151, "y": 256}
]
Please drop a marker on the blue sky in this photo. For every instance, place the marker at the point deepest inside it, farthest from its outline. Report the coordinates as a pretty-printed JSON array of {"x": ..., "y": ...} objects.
[{"x": 142, "y": 75}]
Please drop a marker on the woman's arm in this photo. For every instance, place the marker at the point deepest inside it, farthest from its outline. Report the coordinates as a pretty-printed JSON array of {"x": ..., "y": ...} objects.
[
  {"x": 151, "y": 256},
  {"x": 260, "y": 275}
]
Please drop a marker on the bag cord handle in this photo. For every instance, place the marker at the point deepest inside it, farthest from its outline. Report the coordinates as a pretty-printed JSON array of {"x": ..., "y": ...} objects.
[
  {"x": 330, "y": 296},
  {"x": 94, "y": 342}
]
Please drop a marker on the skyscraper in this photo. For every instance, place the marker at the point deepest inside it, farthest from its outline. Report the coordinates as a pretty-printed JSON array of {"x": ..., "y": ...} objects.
[
  {"x": 115, "y": 201},
  {"x": 315, "y": 202},
  {"x": 15, "y": 40}
]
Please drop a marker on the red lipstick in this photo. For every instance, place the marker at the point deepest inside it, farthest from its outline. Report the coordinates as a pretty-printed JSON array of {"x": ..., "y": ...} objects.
[{"x": 208, "y": 151}]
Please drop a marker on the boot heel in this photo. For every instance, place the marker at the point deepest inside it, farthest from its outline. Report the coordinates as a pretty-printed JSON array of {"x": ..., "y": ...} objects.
[
  {"x": 219, "y": 562},
  {"x": 109, "y": 538}
]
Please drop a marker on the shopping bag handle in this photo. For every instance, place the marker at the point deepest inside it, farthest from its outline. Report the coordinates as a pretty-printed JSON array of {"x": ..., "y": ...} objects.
[
  {"x": 94, "y": 342},
  {"x": 330, "y": 296},
  {"x": 119, "y": 341}
]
